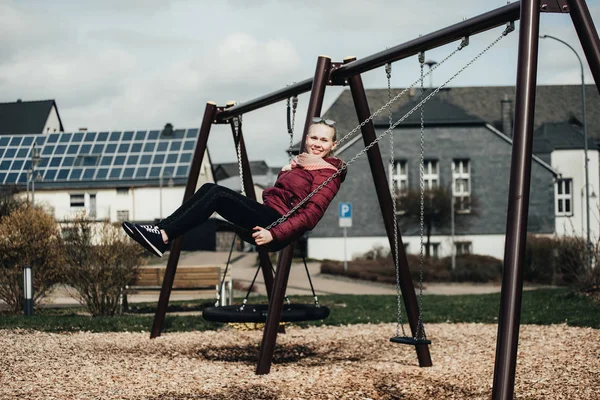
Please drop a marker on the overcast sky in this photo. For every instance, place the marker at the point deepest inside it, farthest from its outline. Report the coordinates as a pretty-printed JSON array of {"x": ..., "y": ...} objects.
[{"x": 138, "y": 64}]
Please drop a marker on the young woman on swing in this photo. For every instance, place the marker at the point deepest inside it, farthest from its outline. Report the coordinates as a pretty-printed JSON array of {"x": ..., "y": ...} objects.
[{"x": 295, "y": 181}]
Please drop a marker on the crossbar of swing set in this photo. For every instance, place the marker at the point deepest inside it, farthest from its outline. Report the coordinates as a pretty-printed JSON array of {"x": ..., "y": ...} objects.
[{"x": 469, "y": 27}]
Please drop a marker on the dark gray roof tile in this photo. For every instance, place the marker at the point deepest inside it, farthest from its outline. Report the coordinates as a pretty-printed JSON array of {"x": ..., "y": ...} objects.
[{"x": 23, "y": 117}]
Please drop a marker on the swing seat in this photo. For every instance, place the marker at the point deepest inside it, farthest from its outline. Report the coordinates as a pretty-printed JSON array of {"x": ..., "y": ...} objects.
[
  {"x": 409, "y": 340},
  {"x": 258, "y": 313}
]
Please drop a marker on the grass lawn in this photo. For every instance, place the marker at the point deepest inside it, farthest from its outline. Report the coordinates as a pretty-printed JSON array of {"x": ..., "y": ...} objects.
[{"x": 543, "y": 307}]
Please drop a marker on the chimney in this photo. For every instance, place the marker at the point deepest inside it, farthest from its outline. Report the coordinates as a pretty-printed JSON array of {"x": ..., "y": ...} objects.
[
  {"x": 506, "y": 116},
  {"x": 168, "y": 130}
]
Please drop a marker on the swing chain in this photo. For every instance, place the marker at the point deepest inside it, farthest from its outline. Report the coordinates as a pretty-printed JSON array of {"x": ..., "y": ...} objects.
[
  {"x": 237, "y": 124},
  {"x": 291, "y": 121},
  {"x": 381, "y": 136},
  {"x": 393, "y": 192},
  {"x": 421, "y": 212}
]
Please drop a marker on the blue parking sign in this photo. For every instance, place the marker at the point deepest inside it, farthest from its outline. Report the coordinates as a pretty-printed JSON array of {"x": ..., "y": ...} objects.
[
  {"x": 345, "y": 214},
  {"x": 345, "y": 210}
]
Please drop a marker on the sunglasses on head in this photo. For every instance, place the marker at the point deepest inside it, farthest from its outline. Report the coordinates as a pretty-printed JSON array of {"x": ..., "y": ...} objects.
[{"x": 328, "y": 122}]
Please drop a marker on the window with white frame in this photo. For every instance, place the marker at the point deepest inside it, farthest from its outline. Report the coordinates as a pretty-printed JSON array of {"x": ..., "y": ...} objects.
[
  {"x": 564, "y": 197},
  {"x": 122, "y": 215},
  {"x": 399, "y": 177},
  {"x": 77, "y": 200},
  {"x": 399, "y": 182},
  {"x": 431, "y": 174},
  {"x": 463, "y": 248},
  {"x": 434, "y": 249},
  {"x": 461, "y": 189}
]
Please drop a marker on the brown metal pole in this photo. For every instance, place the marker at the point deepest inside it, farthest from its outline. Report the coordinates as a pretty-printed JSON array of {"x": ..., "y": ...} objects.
[
  {"x": 163, "y": 301},
  {"x": 385, "y": 203},
  {"x": 265, "y": 261},
  {"x": 267, "y": 347},
  {"x": 588, "y": 36},
  {"x": 316, "y": 95},
  {"x": 518, "y": 204}
]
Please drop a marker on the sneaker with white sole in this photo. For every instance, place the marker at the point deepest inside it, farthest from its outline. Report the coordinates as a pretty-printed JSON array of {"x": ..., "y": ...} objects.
[
  {"x": 148, "y": 236},
  {"x": 129, "y": 229}
]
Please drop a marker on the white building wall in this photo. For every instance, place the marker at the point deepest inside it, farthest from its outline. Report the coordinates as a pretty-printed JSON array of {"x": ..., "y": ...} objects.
[
  {"x": 52, "y": 123},
  {"x": 146, "y": 202},
  {"x": 333, "y": 248},
  {"x": 140, "y": 204},
  {"x": 571, "y": 164}
]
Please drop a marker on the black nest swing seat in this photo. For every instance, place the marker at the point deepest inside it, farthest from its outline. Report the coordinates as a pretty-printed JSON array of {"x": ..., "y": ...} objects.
[{"x": 257, "y": 313}]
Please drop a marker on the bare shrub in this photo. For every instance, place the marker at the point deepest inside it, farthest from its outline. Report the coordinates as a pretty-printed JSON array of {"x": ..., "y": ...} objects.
[
  {"x": 100, "y": 262},
  {"x": 28, "y": 237},
  {"x": 376, "y": 253}
]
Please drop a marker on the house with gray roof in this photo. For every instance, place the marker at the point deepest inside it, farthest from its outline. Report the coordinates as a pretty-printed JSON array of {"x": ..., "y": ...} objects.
[
  {"x": 23, "y": 117},
  {"x": 467, "y": 149}
]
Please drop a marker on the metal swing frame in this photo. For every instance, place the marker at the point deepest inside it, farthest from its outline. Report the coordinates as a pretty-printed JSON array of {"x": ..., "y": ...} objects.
[{"x": 348, "y": 73}]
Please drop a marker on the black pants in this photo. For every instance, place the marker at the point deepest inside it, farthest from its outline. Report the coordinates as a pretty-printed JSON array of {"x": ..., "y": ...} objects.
[{"x": 234, "y": 207}]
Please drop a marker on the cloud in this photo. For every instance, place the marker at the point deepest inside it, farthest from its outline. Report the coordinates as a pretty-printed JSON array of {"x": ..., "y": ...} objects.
[
  {"x": 20, "y": 32},
  {"x": 177, "y": 93},
  {"x": 139, "y": 64}
]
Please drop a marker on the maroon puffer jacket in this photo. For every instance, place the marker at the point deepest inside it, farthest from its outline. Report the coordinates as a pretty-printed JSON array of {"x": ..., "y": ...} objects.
[{"x": 292, "y": 187}]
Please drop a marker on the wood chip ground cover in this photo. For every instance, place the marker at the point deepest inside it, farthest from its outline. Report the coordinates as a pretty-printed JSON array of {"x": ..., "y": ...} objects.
[{"x": 353, "y": 362}]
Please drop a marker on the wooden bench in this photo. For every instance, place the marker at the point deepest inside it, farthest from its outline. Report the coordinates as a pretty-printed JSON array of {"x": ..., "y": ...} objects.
[{"x": 187, "y": 278}]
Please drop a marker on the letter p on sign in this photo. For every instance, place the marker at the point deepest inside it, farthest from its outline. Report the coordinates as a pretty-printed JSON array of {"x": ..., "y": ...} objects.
[{"x": 345, "y": 214}]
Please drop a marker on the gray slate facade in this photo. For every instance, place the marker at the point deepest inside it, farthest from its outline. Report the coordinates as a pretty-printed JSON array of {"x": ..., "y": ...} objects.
[
  {"x": 473, "y": 123},
  {"x": 489, "y": 155}
]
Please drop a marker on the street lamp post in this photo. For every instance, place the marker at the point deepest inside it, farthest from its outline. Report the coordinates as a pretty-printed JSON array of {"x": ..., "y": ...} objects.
[
  {"x": 35, "y": 160},
  {"x": 585, "y": 149}
]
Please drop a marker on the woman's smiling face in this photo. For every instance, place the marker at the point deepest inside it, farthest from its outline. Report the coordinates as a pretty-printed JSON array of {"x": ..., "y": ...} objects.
[{"x": 319, "y": 140}]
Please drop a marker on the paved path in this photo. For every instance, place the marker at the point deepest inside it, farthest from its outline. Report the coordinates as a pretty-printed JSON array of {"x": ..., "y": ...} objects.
[{"x": 243, "y": 270}]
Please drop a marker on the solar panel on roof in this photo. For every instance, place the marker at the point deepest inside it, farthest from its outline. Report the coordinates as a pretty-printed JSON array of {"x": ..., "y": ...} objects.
[
  {"x": 192, "y": 133},
  {"x": 89, "y": 137},
  {"x": 76, "y": 156},
  {"x": 22, "y": 153}
]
